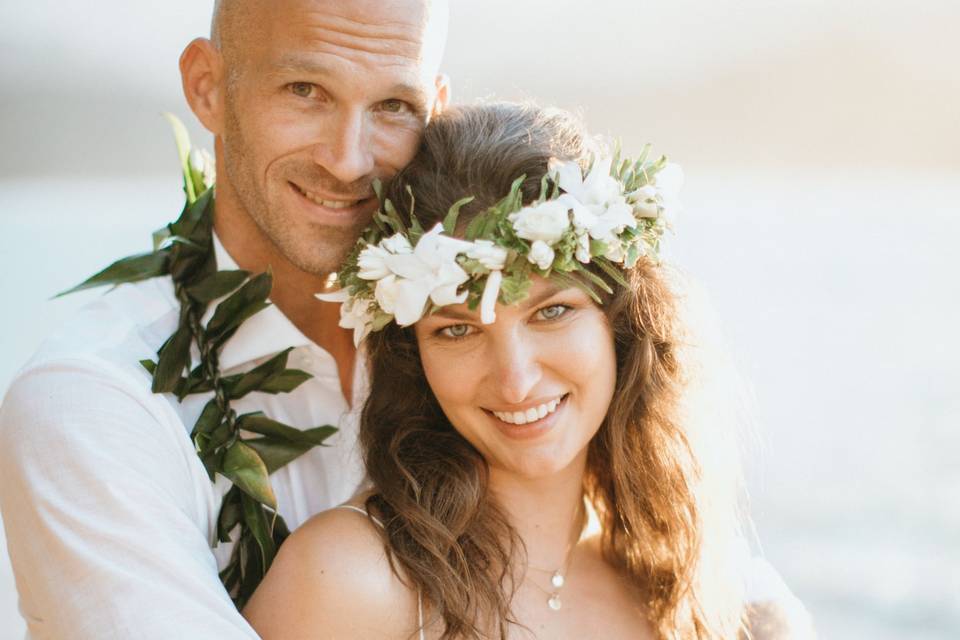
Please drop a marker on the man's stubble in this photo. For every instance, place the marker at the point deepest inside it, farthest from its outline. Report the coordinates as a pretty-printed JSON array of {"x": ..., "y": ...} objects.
[{"x": 311, "y": 247}]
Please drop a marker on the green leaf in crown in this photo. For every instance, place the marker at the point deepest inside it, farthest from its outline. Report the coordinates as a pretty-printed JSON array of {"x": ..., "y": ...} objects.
[
  {"x": 184, "y": 251},
  {"x": 608, "y": 216}
]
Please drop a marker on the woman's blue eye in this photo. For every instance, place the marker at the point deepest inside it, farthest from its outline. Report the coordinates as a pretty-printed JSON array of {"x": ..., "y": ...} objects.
[
  {"x": 456, "y": 331},
  {"x": 553, "y": 311}
]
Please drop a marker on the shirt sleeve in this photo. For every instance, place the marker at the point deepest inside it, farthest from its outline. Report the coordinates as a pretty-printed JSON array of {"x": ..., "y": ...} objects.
[
  {"x": 773, "y": 611},
  {"x": 105, "y": 516}
]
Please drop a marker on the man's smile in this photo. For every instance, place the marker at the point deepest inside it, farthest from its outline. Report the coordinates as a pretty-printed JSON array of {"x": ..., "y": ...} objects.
[{"x": 334, "y": 209}]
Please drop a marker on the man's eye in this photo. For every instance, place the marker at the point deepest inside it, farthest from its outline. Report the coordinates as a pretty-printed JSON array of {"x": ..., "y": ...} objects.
[
  {"x": 456, "y": 331},
  {"x": 302, "y": 89},
  {"x": 553, "y": 311},
  {"x": 394, "y": 106}
]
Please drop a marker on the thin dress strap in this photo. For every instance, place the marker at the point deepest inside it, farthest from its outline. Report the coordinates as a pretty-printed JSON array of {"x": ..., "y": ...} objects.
[
  {"x": 360, "y": 510},
  {"x": 380, "y": 524}
]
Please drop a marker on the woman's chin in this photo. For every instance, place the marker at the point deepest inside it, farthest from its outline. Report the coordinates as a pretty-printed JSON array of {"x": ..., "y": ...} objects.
[{"x": 535, "y": 465}]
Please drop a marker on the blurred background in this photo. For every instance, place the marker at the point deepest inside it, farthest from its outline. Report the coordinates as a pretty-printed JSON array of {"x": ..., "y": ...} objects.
[{"x": 821, "y": 144}]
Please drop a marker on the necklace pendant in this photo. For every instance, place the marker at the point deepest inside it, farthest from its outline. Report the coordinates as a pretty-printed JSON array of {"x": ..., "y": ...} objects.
[
  {"x": 554, "y": 602},
  {"x": 557, "y": 580}
]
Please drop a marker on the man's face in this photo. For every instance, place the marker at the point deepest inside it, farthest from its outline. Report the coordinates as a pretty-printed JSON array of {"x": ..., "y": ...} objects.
[{"x": 321, "y": 99}]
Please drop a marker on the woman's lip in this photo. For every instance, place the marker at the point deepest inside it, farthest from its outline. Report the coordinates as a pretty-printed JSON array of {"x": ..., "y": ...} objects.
[
  {"x": 529, "y": 430},
  {"x": 533, "y": 404}
]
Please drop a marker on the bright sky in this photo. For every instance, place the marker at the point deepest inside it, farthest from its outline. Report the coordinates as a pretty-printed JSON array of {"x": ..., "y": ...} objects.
[{"x": 742, "y": 82}]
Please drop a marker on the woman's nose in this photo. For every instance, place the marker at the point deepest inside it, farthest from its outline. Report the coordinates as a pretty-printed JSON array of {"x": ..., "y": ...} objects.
[{"x": 517, "y": 369}]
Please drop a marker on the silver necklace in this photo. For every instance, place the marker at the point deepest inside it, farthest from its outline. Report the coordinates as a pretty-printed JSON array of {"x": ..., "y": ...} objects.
[{"x": 558, "y": 577}]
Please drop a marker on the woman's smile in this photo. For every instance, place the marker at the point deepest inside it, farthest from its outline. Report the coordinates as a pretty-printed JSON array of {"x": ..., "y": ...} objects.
[
  {"x": 530, "y": 423},
  {"x": 529, "y": 390}
]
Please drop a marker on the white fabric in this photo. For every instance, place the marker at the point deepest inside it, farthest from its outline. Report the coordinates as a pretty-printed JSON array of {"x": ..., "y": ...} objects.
[{"x": 109, "y": 514}]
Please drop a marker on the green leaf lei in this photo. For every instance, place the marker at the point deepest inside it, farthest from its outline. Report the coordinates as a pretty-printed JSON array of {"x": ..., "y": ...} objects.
[{"x": 184, "y": 251}]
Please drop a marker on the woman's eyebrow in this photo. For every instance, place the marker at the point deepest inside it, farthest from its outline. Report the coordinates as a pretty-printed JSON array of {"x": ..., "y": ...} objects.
[
  {"x": 455, "y": 314},
  {"x": 548, "y": 292}
]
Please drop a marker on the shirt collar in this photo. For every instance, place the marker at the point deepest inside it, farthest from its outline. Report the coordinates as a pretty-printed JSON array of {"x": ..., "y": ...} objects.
[{"x": 264, "y": 334}]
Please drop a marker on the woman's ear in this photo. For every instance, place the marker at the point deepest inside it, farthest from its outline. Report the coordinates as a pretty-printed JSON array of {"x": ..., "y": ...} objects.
[{"x": 202, "y": 76}]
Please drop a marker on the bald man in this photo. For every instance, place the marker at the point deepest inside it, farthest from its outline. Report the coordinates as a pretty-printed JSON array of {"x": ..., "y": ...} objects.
[{"x": 111, "y": 518}]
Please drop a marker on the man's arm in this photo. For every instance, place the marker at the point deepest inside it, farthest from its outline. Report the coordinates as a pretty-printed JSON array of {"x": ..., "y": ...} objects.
[{"x": 105, "y": 515}]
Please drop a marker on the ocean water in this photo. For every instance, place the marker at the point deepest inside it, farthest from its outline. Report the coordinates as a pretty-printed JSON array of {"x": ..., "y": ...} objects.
[{"x": 838, "y": 293}]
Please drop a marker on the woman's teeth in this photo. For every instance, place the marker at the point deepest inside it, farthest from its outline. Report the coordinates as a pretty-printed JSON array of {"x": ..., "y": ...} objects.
[{"x": 530, "y": 415}]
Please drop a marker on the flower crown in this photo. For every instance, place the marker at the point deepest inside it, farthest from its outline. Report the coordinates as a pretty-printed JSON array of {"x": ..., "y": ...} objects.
[{"x": 611, "y": 215}]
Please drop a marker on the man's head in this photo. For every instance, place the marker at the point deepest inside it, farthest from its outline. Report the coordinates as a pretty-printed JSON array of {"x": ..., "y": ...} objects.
[{"x": 310, "y": 101}]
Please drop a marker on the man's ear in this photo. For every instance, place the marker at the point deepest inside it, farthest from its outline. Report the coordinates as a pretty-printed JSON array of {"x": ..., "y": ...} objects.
[
  {"x": 442, "y": 100},
  {"x": 201, "y": 72}
]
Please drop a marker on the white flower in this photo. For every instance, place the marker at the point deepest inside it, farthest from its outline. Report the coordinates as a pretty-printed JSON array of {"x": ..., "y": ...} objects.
[
  {"x": 597, "y": 201},
  {"x": 396, "y": 244},
  {"x": 373, "y": 263},
  {"x": 583, "y": 247},
  {"x": 204, "y": 164},
  {"x": 612, "y": 222},
  {"x": 615, "y": 252},
  {"x": 373, "y": 259},
  {"x": 488, "y": 254},
  {"x": 354, "y": 313},
  {"x": 488, "y": 302},
  {"x": 645, "y": 201},
  {"x": 541, "y": 255},
  {"x": 340, "y": 295},
  {"x": 596, "y": 191},
  {"x": 599, "y": 187},
  {"x": 543, "y": 222},
  {"x": 386, "y": 293},
  {"x": 660, "y": 198},
  {"x": 429, "y": 272}
]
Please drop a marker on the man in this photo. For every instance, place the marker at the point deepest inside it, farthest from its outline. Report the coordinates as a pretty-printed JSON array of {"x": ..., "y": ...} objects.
[{"x": 110, "y": 515}]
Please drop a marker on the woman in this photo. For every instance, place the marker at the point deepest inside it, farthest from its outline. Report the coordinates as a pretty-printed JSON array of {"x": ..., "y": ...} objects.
[{"x": 530, "y": 375}]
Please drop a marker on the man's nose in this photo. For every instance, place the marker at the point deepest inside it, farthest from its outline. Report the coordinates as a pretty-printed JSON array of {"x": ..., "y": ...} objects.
[
  {"x": 517, "y": 369},
  {"x": 347, "y": 154}
]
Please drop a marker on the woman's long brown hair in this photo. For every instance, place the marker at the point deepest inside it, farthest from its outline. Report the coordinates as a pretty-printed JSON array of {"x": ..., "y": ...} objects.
[{"x": 446, "y": 536}]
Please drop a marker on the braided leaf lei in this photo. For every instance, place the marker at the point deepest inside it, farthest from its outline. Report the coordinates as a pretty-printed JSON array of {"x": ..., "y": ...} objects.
[{"x": 184, "y": 251}]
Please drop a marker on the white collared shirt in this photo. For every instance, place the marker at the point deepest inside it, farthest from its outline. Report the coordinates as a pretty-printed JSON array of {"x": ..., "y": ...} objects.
[{"x": 110, "y": 516}]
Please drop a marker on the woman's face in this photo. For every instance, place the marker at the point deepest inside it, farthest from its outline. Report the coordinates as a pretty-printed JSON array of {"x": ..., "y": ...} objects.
[{"x": 530, "y": 390}]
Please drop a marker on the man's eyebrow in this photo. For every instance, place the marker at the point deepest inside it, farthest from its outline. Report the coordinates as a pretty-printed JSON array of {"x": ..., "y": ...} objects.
[
  {"x": 298, "y": 63},
  {"x": 411, "y": 92},
  {"x": 294, "y": 63}
]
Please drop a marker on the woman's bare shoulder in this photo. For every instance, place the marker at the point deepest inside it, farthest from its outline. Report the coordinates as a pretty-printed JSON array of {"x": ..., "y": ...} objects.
[{"x": 332, "y": 575}]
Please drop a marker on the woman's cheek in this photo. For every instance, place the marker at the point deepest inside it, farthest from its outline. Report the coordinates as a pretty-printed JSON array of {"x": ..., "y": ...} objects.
[
  {"x": 586, "y": 354},
  {"x": 449, "y": 374}
]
